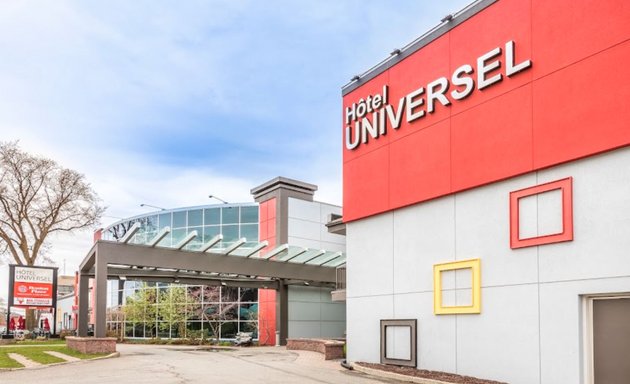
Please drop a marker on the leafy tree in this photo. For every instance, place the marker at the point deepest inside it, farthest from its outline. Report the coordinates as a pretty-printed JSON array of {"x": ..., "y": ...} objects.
[
  {"x": 140, "y": 306},
  {"x": 217, "y": 314},
  {"x": 175, "y": 310},
  {"x": 39, "y": 197}
]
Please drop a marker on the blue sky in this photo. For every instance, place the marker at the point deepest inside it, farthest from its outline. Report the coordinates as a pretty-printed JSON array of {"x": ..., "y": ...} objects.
[{"x": 165, "y": 102}]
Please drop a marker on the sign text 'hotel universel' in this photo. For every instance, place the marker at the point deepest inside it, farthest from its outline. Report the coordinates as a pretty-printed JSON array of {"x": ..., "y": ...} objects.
[{"x": 371, "y": 116}]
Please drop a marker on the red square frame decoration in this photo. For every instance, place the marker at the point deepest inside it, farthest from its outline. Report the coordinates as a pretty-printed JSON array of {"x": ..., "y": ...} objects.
[{"x": 566, "y": 188}]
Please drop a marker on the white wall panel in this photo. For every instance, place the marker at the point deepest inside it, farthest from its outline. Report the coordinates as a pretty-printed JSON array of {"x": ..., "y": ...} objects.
[
  {"x": 436, "y": 334},
  {"x": 561, "y": 325},
  {"x": 304, "y": 229},
  {"x": 364, "y": 316},
  {"x": 530, "y": 326},
  {"x": 483, "y": 230},
  {"x": 601, "y": 220},
  {"x": 304, "y": 210},
  {"x": 370, "y": 256},
  {"x": 424, "y": 235},
  {"x": 502, "y": 342}
]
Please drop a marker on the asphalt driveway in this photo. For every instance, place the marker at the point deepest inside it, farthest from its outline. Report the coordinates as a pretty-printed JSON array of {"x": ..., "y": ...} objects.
[{"x": 161, "y": 364}]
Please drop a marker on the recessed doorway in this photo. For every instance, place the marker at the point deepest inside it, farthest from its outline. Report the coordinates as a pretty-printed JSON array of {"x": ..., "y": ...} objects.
[{"x": 608, "y": 339}]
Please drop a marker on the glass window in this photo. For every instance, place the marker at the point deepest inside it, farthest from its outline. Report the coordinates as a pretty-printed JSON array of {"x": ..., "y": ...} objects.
[
  {"x": 229, "y": 311},
  {"x": 210, "y": 311},
  {"x": 196, "y": 242},
  {"x": 164, "y": 330},
  {"x": 229, "y": 294},
  {"x": 249, "y": 214},
  {"x": 249, "y": 295},
  {"x": 193, "y": 326},
  {"x": 230, "y": 233},
  {"x": 210, "y": 232},
  {"x": 212, "y": 216},
  {"x": 250, "y": 232},
  {"x": 228, "y": 330},
  {"x": 166, "y": 241},
  {"x": 179, "y": 219},
  {"x": 178, "y": 235},
  {"x": 165, "y": 220},
  {"x": 248, "y": 312},
  {"x": 195, "y": 217},
  {"x": 230, "y": 215},
  {"x": 138, "y": 330},
  {"x": 250, "y": 326},
  {"x": 151, "y": 223}
]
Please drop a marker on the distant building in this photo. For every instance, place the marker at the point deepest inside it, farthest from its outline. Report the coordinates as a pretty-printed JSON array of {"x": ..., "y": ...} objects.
[
  {"x": 65, "y": 285},
  {"x": 284, "y": 213}
]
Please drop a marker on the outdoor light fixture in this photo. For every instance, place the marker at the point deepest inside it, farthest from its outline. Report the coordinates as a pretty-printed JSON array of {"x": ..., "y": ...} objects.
[
  {"x": 447, "y": 18},
  {"x": 123, "y": 278},
  {"x": 223, "y": 284},
  {"x": 153, "y": 206},
  {"x": 355, "y": 78},
  {"x": 307, "y": 283},
  {"x": 217, "y": 198},
  {"x": 114, "y": 217},
  {"x": 395, "y": 52}
]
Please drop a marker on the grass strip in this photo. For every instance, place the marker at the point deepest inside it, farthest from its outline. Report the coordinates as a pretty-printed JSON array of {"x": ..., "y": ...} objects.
[
  {"x": 37, "y": 354},
  {"x": 42, "y": 342},
  {"x": 83, "y": 356},
  {"x": 7, "y": 362}
]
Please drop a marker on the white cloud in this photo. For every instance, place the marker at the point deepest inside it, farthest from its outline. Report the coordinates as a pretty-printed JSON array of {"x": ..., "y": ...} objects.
[{"x": 89, "y": 84}]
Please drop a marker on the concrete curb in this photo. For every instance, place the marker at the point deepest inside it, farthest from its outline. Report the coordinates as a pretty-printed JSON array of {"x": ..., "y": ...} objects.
[{"x": 396, "y": 376}]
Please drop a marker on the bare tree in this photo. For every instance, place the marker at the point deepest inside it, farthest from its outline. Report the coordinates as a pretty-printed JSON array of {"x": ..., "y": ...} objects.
[
  {"x": 38, "y": 197},
  {"x": 3, "y": 315}
]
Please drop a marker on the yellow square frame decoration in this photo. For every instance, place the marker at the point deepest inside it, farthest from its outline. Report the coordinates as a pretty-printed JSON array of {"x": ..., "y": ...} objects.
[{"x": 475, "y": 307}]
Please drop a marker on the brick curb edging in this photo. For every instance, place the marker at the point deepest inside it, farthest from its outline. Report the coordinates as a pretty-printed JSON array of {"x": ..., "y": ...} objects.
[
  {"x": 330, "y": 348},
  {"x": 396, "y": 376}
]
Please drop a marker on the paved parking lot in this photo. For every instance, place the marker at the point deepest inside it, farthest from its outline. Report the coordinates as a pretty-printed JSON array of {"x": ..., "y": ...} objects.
[{"x": 161, "y": 364}]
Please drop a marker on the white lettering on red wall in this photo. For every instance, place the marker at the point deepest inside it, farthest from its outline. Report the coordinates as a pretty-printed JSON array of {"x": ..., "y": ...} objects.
[{"x": 371, "y": 117}]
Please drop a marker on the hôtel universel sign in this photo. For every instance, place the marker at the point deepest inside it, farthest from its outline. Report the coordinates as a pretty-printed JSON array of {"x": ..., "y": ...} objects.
[{"x": 371, "y": 116}]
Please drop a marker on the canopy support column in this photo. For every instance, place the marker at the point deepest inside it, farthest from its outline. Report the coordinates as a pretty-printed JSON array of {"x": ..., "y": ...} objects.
[
  {"x": 100, "y": 296},
  {"x": 282, "y": 317},
  {"x": 84, "y": 303}
]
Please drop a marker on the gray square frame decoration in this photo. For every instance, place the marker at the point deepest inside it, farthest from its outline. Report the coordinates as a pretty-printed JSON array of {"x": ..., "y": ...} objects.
[{"x": 412, "y": 324}]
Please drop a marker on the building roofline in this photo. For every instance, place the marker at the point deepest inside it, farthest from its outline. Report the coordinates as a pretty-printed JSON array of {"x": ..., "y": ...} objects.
[
  {"x": 448, "y": 23},
  {"x": 153, "y": 213},
  {"x": 283, "y": 182}
]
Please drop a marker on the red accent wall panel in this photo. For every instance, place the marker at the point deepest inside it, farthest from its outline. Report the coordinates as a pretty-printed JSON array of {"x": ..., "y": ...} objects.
[
  {"x": 567, "y": 31},
  {"x": 267, "y": 297},
  {"x": 583, "y": 109},
  {"x": 406, "y": 78},
  {"x": 490, "y": 29},
  {"x": 493, "y": 140},
  {"x": 366, "y": 183},
  {"x": 570, "y": 103},
  {"x": 420, "y": 165}
]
